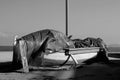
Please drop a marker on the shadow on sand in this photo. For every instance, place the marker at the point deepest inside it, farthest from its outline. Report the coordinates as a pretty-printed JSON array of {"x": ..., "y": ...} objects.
[
  {"x": 93, "y": 71},
  {"x": 9, "y": 67},
  {"x": 98, "y": 71}
]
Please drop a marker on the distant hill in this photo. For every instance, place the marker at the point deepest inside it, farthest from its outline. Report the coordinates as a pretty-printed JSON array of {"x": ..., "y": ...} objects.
[{"x": 6, "y": 48}]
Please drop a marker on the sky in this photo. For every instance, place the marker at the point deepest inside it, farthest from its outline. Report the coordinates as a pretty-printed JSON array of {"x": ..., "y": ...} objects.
[{"x": 87, "y": 18}]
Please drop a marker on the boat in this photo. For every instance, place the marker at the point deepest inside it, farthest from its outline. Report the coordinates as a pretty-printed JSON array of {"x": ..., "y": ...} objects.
[
  {"x": 77, "y": 56},
  {"x": 114, "y": 56}
]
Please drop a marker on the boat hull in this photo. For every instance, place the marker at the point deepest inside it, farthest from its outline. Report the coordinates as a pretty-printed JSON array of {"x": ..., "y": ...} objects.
[{"x": 60, "y": 58}]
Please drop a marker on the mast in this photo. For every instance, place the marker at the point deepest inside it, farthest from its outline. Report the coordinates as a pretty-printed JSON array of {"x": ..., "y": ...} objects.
[{"x": 66, "y": 14}]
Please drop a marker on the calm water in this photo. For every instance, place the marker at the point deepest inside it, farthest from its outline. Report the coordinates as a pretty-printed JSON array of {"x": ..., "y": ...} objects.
[{"x": 6, "y": 56}]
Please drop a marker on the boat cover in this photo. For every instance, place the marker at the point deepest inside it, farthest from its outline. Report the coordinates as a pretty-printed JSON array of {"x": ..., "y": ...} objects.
[
  {"x": 38, "y": 43},
  {"x": 89, "y": 42}
]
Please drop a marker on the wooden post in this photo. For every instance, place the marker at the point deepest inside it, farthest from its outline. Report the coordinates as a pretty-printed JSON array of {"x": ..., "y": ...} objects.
[
  {"x": 74, "y": 59},
  {"x": 23, "y": 56}
]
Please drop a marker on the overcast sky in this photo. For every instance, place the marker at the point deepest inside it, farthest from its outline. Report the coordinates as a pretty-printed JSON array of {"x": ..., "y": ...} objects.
[{"x": 87, "y": 18}]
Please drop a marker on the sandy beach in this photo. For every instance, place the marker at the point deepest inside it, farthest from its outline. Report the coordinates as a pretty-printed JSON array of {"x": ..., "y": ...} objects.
[{"x": 94, "y": 71}]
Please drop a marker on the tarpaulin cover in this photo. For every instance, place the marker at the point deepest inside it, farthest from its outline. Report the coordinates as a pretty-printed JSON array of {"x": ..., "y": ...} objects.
[
  {"x": 89, "y": 42},
  {"x": 39, "y": 43}
]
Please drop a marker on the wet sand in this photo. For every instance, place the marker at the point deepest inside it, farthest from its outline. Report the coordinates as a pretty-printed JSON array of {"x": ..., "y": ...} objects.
[{"x": 94, "y": 71}]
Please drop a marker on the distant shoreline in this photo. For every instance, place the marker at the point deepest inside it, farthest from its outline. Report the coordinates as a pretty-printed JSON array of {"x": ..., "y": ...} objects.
[
  {"x": 110, "y": 49},
  {"x": 6, "y": 48}
]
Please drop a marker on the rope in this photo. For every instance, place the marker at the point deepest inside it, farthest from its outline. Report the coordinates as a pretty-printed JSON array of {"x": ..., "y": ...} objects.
[{"x": 65, "y": 61}]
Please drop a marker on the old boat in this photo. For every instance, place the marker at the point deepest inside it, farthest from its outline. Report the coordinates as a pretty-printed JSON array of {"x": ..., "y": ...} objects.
[{"x": 77, "y": 56}]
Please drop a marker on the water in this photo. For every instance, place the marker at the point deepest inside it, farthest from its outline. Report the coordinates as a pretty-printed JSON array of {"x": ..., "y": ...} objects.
[{"x": 6, "y": 56}]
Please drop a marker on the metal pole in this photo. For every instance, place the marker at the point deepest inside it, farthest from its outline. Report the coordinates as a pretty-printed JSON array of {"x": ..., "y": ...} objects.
[{"x": 66, "y": 12}]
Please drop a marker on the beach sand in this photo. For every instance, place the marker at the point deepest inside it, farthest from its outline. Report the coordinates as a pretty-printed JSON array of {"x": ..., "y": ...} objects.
[{"x": 94, "y": 71}]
